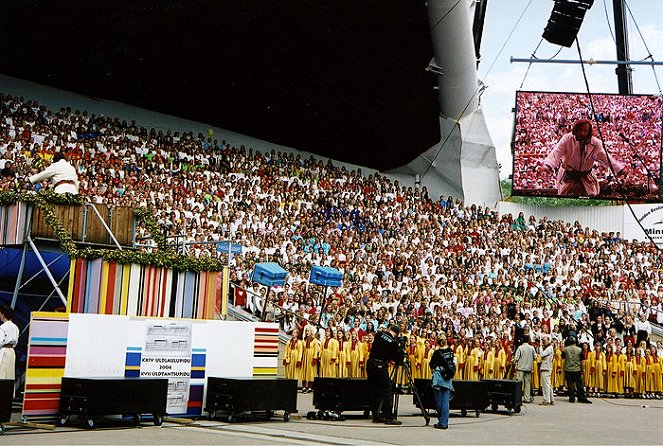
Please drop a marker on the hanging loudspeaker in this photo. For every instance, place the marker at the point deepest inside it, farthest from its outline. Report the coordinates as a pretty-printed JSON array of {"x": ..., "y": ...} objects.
[{"x": 565, "y": 20}]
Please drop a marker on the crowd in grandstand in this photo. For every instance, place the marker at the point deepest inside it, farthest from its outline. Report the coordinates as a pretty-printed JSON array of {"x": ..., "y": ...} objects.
[
  {"x": 629, "y": 125},
  {"x": 430, "y": 264}
]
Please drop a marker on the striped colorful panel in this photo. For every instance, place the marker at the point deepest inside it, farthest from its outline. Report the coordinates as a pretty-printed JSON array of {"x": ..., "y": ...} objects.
[
  {"x": 201, "y": 297},
  {"x": 214, "y": 295},
  {"x": 224, "y": 291},
  {"x": 180, "y": 280},
  {"x": 265, "y": 371},
  {"x": 198, "y": 362},
  {"x": 266, "y": 345},
  {"x": 126, "y": 274},
  {"x": 133, "y": 296},
  {"x": 47, "y": 350},
  {"x": 132, "y": 362},
  {"x": 13, "y": 220},
  {"x": 80, "y": 286},
  {"x": 3, "y": 223},
  {"x": 135, "y": 290},
  {"x": 187, "y": 297},
  {"x": 103, "y": 288},
  {"x": 195, "y": 404},
  {"x": 92, "y": 298},
  {"x": 72, "y": 281}
]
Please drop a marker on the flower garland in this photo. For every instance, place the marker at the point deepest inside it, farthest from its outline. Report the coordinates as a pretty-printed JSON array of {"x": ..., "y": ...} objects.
[{"x": 163, "y": 256}]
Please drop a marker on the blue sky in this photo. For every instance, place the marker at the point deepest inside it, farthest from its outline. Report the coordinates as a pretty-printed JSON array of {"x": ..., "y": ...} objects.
[{"x": 596, "y": 43}]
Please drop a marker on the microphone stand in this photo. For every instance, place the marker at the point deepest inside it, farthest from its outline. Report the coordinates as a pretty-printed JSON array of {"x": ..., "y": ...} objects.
[{"x": 634, "y": 153}]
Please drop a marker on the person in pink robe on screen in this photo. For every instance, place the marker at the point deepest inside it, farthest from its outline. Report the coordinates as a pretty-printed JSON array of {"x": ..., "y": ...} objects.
[{"x": 574, "y": 157}]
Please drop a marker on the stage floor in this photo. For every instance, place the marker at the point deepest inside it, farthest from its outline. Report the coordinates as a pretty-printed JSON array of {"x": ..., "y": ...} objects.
[{"x": 607, "y": 421}]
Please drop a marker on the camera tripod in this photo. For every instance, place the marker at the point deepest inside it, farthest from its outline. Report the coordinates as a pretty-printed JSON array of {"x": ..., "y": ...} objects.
[{"x": 404, "y": 366}]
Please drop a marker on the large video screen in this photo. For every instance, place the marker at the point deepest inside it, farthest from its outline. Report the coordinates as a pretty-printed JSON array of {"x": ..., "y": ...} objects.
[{"x": 558, "y": 150}]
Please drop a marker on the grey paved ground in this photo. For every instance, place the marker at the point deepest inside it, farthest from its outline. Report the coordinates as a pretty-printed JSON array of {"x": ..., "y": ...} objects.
[{"x": 604, "y": 422}]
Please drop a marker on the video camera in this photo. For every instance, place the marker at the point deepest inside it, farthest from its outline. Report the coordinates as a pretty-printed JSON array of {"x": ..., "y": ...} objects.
[{"x": 402, "y": 342}]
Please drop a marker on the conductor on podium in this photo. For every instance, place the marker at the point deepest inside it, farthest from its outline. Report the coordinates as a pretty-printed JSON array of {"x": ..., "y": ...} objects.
[
  {"x": 385, "y": 349},
  {"x": 62, "y": 174}
]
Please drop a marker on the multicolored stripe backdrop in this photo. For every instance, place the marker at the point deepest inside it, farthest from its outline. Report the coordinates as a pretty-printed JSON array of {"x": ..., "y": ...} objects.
[
  {"x": 14, "y": 223},
  {"x": 102, "y": 287}
]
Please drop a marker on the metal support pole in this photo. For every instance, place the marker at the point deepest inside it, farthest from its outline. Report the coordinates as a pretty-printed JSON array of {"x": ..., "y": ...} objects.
[
  {"x": 263, "y": 316},
  {"x": 19, "y": 278},
  {"x": 624, "y": 78},
  {"x": 587, "y": 62},
  {"x": 47, "y": 271}
]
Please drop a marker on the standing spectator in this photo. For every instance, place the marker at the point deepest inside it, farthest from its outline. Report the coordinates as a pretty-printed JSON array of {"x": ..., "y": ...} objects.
[
  {"x": 642, "y": 329},
  {"x": 547, "y": 354},
  {"x": 8, "y": 340},
  {"x": 444, "y": 390},
  {"x": 573, "y": 364},
  {"x": 524, "y": 358}
]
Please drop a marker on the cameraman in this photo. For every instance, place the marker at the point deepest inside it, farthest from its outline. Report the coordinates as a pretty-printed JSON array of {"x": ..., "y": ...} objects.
[{"x": 385, "y": 349}]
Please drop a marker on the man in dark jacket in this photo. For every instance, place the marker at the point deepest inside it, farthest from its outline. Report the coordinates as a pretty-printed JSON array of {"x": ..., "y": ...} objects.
[
  {"x": 572, "y": 355},
  {"x": 444, "y": 388}
]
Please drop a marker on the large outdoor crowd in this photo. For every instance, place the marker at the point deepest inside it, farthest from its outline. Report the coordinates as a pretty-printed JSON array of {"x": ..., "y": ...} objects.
[
  {"x": 630, "y": 126},
  {"x": 431, "y": 264}
]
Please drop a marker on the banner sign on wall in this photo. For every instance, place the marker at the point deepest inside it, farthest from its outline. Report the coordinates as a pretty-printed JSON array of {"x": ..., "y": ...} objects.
[
  {"x": 167, "y": 354},
  {"x": 646, "y": 225}
]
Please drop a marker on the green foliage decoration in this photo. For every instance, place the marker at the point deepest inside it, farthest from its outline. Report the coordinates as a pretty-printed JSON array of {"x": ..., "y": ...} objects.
[{"x": 161, "y": 256}]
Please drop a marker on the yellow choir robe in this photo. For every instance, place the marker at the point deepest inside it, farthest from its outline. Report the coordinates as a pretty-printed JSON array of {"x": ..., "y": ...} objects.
[
  {"x": 649, "y": 376},
  {"x": 425, "y": 364},
  {"x": 342, "y": 366},
  {"x": 630, "y": 373},
  {"x": 613, "y": 374},
  {"x": 292, "y": 359},
  {"x": 311, "y": 358},
  {"x": 415, "y": 356},
  {"x": 461, "y": 354},
  {"x": 600, "y": 368},
  {"x": 367, "y": 351},
  {"x": 473, "y": 365},
  {"x": 354, "y": 358},
  {"x": 657, "y": 374},
  {"x": 621, "y": 360},
  {"x": 500, "y": 364},
  {"x": 329, "y": 358},
  {"x": 557, "y": 378},
  {"x": 640, "y": 375},
  {"x": 588, "y": 371},
  {"x": 536, "y": 379},
  {"x": 488, "y": 371}
]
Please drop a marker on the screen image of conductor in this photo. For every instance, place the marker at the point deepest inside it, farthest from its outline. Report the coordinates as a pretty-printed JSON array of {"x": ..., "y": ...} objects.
[{"x": 563, "y": 147}]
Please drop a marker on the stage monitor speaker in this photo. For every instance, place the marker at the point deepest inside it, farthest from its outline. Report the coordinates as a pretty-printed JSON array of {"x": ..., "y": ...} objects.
[
  {"x": 468, "y": 395},
  {"x": 251, "y": 394},
  {"x": 6, "y": 399},
  {"x": 341, "y": 394},
  {"x": 505, "y": 392}
]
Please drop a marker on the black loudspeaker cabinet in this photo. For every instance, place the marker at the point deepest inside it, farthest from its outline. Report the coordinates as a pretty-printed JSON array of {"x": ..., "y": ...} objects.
[
  {"x": 88, "y": 398},
  {"x": 342, "y": 395},
  {"x": 468, "y": 396},
  {"x": 505, "y": 392},
  {"x": 236, "y": 396},
  {"x": 6, "y": 400}
]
